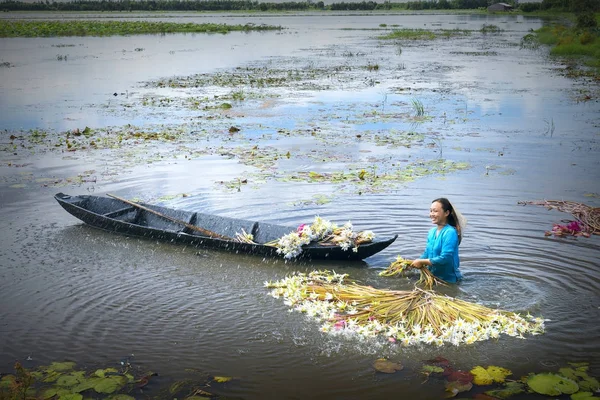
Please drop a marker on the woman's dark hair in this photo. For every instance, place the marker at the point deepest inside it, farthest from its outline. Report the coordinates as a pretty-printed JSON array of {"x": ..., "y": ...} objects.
[{"x": 452, "y": 219}]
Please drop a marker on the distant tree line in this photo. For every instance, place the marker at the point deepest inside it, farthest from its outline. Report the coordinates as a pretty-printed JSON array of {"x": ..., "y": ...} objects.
[{"x": 248, "y": 5}]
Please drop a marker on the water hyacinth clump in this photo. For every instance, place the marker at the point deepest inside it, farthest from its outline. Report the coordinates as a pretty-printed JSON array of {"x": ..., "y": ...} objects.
[
  {"x": 408, "y": 317},
  {"x": 323, "y": 232}
]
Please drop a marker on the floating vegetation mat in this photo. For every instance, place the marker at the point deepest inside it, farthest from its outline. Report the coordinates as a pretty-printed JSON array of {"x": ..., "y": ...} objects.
[
  {"x": 571, "y": 380},
  {"x": 24, "y": 28},
  {"x": 586, "y": 223},
  {"x": 63, "y": 381},
  {"x": 409, "y": 316}
]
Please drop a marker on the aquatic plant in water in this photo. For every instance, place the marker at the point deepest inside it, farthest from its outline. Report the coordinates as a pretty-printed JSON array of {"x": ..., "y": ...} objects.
[
  {"x": 34, "y": 28},
  {"x": 572, "y": 380},
  {"x": 63, "y": 381},
  {"x": 409, "y": 317}
]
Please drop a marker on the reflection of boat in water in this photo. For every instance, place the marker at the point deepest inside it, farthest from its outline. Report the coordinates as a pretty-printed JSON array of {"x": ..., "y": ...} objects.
[{"x": 199, "y": 229}]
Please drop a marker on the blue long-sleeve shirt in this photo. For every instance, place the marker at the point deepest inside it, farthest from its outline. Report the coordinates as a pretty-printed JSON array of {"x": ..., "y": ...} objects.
[{"x": 442, "y": 251}]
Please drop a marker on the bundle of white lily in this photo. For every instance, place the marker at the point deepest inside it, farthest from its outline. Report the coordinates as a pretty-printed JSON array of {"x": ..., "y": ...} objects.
[
  {"x": 323, "y": 232},
  {"x": 409, "y": 317}
]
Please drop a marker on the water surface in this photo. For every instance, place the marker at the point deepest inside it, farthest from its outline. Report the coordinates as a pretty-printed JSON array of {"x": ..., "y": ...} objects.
[{"x": 69, "y": 291}]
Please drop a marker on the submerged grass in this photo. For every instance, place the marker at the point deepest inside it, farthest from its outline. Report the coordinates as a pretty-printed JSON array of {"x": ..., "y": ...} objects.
[
  {"x": 32, "y": 28},
  {"x": 423, "y": 34}
]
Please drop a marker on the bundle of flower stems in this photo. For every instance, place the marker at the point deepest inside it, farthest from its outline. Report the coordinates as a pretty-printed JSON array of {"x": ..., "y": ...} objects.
[
  {"x": 408, "y": 316},
  {"x": 401, "y": 266}
]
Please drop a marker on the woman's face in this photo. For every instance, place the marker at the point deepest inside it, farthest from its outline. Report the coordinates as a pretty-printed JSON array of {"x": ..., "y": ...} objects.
[{"x": 437, "y": 214}]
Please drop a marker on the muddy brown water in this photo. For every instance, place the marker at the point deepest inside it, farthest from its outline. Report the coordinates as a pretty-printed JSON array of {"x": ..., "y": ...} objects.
[{"x": 68, "y": 291}]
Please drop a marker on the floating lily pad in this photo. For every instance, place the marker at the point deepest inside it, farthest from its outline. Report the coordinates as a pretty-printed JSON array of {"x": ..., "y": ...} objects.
[
  {"x": 102, "y": 373},
  {"x": 386, "y": 366},
  {"x": 61, "y": 366},
  {"x": 70, "y": 396},
  {"x": 552, "y": 384},
  {"x": 489, "y": 375},
  {"x": 579, "y": 375},
  {"x": 510, "y": 389},
  {"x": 86, "y": 384},
  {"x": 108, "y": 385},
  {"x": 120, "y": 397},
  {"x": 56, "y": 393},
  {"x": 584, "y": 396},
  {"x": 71, "y": 379}
]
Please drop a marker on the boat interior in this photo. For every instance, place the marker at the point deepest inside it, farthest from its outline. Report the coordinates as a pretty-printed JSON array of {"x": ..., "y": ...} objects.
[{"x": 226, "y": 226}]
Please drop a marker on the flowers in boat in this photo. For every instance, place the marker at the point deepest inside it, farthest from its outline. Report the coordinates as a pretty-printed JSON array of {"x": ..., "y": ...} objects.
[
  {"x": 244, "y": 237},
  {"x": 405, "y": 317},
  {"x": 323, "y": 232}
]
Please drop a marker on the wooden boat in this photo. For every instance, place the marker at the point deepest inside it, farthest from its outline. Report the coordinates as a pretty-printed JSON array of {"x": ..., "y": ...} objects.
[{"x": 199, "y": 229}]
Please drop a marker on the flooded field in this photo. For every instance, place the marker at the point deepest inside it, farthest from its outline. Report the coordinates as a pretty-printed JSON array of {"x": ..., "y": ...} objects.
[{"x": 330, "y": 116}]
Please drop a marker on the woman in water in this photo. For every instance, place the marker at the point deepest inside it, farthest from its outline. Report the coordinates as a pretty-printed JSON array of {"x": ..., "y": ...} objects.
[{"x": 441, "y": 253}]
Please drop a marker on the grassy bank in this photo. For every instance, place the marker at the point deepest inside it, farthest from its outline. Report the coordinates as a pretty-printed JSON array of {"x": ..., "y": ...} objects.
[
  {"x": 580, "y": 47},
  {"x": 33, "y": 28}
]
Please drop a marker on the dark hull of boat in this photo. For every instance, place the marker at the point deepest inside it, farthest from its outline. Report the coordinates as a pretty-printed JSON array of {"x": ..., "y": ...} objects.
[{"x": 116, "y": 216}]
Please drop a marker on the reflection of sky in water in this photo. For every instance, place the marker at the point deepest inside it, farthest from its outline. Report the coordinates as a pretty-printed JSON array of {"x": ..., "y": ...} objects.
[
  {"x": 42, "y": 91},
  {"x": 511, "y": 88}
]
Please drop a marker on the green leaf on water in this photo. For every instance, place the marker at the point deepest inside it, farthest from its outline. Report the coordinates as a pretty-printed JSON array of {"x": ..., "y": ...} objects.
[
  {"x": 102, "y": 373},
  {"x": 55, "y": 393},
  {"x": 70, "y": 396},
  {"x": 108, "y": 385},
  {"x": 71, "y": 379},
  {"x": 580, "y": 375},
  {"x": 86, "y": 384},
  {"x": 584, "y": 396},
  {"x": 49, "y": 393},
  {"x": 120, "y": 397},
  {"x": 51, "y": 376},
  {"x": 551, "y": 384},
  {"x": 61, "y": 366}
]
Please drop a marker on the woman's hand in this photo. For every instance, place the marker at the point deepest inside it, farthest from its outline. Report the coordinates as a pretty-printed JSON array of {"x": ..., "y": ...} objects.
[{"x": 420, "y": 263}]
